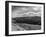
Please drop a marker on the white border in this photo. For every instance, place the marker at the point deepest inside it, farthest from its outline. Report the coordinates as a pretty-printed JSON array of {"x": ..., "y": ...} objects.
[{"x": 24, "y": 32}]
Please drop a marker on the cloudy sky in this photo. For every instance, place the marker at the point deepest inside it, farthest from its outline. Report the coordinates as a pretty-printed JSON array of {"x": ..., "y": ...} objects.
[{"x": 25, "y": 11}]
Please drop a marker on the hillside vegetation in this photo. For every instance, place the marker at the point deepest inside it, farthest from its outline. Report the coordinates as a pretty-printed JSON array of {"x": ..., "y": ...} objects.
[{"x": 28, "y": 20}]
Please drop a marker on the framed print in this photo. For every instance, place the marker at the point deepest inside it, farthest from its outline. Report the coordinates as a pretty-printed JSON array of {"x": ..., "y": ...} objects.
[{"x": 24, "y": 18}]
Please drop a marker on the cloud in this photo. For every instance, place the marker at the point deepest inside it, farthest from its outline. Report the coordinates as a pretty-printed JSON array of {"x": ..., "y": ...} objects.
[{"x": 26, "y": 11}]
